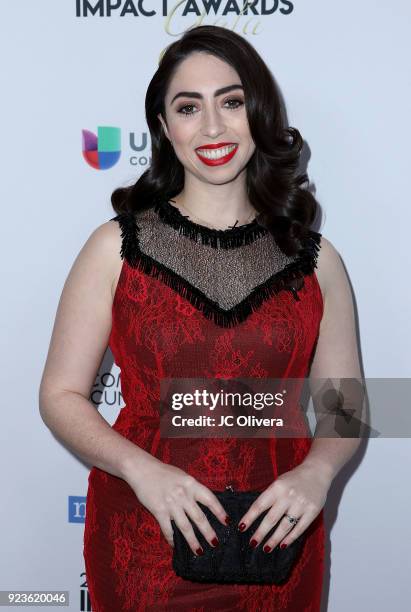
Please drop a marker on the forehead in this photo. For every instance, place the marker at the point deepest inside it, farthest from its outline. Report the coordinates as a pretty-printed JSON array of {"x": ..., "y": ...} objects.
[{"x": 201, "y": 72}]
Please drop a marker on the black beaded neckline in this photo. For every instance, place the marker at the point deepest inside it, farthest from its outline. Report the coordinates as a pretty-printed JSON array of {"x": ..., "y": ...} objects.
[
  {"x": 231, "y": 237},
  {"x": 290, "y": 278}
]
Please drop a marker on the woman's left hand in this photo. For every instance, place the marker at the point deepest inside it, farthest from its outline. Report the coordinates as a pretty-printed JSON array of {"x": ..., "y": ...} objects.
[{"x": 301, "y": 493}]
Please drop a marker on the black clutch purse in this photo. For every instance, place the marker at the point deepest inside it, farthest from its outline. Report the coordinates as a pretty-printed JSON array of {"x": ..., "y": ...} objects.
[{"x": 234, "y": 560}]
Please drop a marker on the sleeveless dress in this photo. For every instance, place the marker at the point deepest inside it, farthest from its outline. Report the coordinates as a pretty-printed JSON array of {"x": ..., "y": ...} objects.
[{"x": 192, "y": 301}]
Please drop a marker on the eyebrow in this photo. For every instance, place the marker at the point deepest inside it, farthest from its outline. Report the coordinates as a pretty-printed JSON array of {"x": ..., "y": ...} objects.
[{"x": 196, "y": 94}]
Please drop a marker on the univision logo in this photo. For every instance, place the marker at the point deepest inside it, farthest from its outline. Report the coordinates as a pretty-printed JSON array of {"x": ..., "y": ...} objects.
[{"x": 102, "y": 151}]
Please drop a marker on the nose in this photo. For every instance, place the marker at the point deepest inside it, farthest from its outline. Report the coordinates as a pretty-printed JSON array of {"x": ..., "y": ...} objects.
[{"x": 212, "y": 122}]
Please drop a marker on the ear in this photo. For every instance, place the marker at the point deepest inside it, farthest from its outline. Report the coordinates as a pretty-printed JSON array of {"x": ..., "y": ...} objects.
[{"x": 163, "y": 123}]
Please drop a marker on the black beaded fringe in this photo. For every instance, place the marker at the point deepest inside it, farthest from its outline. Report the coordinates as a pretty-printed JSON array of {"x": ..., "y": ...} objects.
[
  {"x": 304, "y": 264},
  {"x": 227, "y": 238}
]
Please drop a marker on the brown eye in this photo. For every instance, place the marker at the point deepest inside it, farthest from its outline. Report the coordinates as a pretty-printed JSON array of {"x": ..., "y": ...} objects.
[
  {"x": 181, "y": 109},
  {"x": 237, "y": 101}
]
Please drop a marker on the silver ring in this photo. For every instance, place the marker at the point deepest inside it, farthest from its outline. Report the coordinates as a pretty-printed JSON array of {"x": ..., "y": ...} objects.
[{"x": 292, "y": 519}]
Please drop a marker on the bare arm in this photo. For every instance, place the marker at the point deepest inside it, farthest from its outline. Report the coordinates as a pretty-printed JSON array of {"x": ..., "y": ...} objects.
[
  {"x": 78, "y": 343},
  {"x": 302, "y": 491},
  {"x": 336, "y": 359}
]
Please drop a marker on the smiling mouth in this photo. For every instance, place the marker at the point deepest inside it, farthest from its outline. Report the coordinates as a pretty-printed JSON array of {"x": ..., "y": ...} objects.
[{"x": 216, "y": 153}]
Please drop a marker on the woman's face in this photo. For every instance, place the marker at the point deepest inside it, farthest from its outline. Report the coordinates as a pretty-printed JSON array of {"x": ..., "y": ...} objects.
[{"x": 198, "y": 115}]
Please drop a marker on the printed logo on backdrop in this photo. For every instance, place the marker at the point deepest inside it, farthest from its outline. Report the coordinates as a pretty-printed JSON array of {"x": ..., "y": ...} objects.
[
  {"x": 102, "y": 150},
  {"x": 76, "y": 509},
  {"x": 85, "y": 602},
  {"x": 107, "y": 390},
  {"x": 244, "y": 14}
]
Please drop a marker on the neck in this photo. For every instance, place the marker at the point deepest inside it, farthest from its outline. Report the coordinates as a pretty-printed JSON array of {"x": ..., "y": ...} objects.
[{"x": 215, "y": 209}]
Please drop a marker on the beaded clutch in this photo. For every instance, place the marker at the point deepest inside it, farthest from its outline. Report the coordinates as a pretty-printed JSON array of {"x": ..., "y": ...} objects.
[{"x": 234, "y": 560}]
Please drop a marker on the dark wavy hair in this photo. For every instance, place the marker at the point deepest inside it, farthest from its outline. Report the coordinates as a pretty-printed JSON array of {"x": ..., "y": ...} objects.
[{"x": 275, "y": 189}]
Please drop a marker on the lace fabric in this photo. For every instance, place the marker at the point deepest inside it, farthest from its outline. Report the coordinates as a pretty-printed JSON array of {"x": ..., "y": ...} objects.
[{"x": 196, "y": 302}]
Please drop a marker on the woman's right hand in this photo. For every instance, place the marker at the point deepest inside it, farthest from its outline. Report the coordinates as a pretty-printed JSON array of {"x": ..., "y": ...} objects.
[{"x": 170, "y": 493}]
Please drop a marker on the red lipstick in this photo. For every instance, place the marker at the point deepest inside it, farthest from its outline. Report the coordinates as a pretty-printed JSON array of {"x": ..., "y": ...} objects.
[
  {"x": 216, "y": 145},
  {"x": 218, "y": 161}
]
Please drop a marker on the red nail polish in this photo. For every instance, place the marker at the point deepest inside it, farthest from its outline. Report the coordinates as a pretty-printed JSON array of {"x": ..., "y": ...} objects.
[
  {"x": 227, "y": 520},
  {"x": 253, "y": 543},
  {"x": 241, "y": 526},
  {"x": 283, "y": 545},
  {"x": 215, "y": 542},
  {"x": 200, "y": 551},
  {"x": 267, "y": 548}
]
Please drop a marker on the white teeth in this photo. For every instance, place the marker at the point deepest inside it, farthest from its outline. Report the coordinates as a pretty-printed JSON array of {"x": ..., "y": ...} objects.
[{"x": 216, "y": 153}]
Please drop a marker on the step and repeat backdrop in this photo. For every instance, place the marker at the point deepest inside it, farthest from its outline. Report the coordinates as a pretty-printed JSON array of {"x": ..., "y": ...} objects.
[{"x": 74, "y": 78}]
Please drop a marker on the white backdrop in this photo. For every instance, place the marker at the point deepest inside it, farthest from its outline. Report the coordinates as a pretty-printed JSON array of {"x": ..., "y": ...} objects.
[{"x": 343, "y": 69}]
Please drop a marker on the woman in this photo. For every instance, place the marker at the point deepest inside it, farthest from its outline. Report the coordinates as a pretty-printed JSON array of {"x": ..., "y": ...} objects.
[{"x": 207, "y": 271}]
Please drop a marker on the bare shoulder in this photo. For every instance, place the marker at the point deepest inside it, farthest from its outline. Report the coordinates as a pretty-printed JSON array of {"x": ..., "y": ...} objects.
[
  {"x": 103, "y": 246},
  {"x": 330, "y": 269},
  {"x": 84, "y": 314}
]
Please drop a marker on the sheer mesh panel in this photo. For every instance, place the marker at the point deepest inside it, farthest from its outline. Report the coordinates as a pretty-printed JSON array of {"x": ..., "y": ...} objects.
[{"x": 224, "y": 275}]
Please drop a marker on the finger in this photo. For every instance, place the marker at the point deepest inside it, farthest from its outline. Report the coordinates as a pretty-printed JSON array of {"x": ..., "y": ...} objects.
[
  {"x": 167, "y": 529},
  {"x": 272, "y": 517},
  {"x": 181, "y": 520},
  {"x": 200, "y": 519},
  {"x": 306, "y": 520},
  {"x": 283, "y": 530},
  {"x": 209, "y": 499},
  {"x": 288, "y": 534},
  {"x": 262, "y": 503}
]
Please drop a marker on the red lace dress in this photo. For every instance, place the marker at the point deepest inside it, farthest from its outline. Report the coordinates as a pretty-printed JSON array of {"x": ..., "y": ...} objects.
[{"x": 198, "y": 302}]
